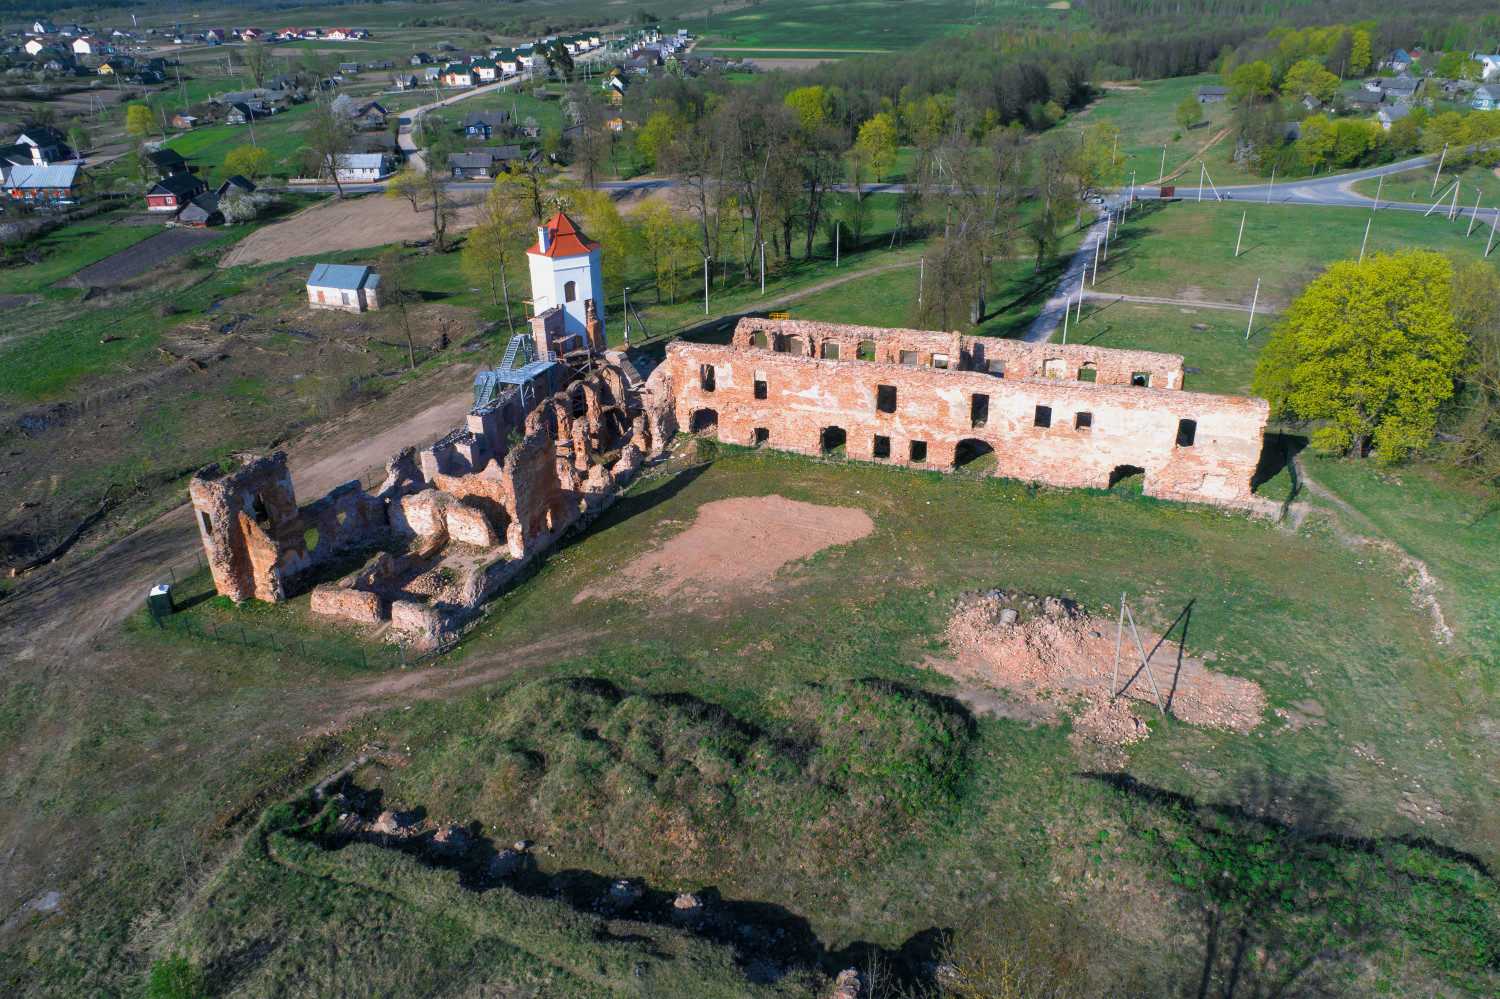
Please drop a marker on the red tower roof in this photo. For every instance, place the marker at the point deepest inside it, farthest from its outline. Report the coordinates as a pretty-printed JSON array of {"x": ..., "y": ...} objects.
[{"x": 564, "y": 239}]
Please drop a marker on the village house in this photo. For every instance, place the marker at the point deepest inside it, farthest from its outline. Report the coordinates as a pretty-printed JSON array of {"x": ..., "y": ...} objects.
[
  {"x": 43, "y": 144},
  {"x": 184, "y": 121},
  {"x": 347, "y": 287},
  {"x": 1212, "y": 95},
  {"x": 482, "y": 124},
  {"x": 488, "y": 162},
  {"x": 370, "y": 116},
  {"x": 201, "y": 212},
  {"x": 235, "y": 184},
  {"x": 53, "y": 182},
  {"x": 86, "y": 46},
  {"x": 1486, "y": 98},
  {"x": 357, "y": 167},
  {"x": 1390, "y": 114},
  {"x": 171, "y": 194},
  {"x": 458, "y": 75},
  {"x": 167, "y": 162}
]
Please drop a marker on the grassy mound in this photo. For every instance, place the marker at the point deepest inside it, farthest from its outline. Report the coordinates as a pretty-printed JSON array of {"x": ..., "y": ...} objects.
[{"x": 651, "y": 781}]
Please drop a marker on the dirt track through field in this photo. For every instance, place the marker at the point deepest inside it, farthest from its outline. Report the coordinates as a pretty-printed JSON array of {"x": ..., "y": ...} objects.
[
  {"x": 357, "y": 224},
  {"x": 92, "y": 595}
]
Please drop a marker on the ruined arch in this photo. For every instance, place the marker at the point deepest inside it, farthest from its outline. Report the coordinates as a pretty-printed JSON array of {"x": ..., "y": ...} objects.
[{"x": 704, "y": 420}]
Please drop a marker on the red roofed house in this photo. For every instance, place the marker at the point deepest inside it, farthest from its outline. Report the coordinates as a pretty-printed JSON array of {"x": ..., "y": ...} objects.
[{"x": 566, "y": 276}]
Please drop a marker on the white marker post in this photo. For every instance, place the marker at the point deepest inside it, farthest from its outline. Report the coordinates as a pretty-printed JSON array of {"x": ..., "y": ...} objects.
[
  {"x": 1241, "y": 235},
  {"x": 1365, "y": 240},
  {"x": 1253, "y": 301}
]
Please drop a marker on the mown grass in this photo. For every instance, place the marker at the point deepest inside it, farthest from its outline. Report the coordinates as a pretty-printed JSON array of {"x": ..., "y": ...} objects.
[
  {"x": 1145, "y": 114},
  {"x": 859, "y": 25},
  {"x": 1416, "y": 186}
]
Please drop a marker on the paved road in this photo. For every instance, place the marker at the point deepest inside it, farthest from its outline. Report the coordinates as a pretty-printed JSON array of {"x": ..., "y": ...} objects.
[
  {"x": 1050, "y": 319},
  {"x": 404, "y": 139}
]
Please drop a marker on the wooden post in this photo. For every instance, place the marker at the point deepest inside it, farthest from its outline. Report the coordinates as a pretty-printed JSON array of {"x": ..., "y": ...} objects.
[
  {"x": 1114, "y": 681},
  {"x": 1251, "y": 323},
  {"x": 1241, "y": 235}
]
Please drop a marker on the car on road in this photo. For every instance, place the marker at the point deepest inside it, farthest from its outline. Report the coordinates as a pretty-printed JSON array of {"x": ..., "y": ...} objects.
[{"x": 1095, "y": 200}]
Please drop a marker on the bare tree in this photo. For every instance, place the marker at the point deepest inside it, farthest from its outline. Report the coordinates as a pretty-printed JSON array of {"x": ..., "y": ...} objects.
[
  {"x": 330, "y": 138},
  {"x": 259, "y": 59},
  {"x": 395, "y": 289}
]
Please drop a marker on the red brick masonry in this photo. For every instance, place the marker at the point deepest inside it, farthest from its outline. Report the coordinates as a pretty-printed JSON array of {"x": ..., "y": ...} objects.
[{"x": 1057, "y": 430}]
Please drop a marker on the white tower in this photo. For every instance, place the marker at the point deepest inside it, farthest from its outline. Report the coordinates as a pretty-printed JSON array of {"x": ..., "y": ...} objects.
[{"x": 565, "y": 274}]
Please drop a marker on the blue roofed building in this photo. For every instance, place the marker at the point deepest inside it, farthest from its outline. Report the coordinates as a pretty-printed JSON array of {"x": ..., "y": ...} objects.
[{"x": 348, "y": 287}]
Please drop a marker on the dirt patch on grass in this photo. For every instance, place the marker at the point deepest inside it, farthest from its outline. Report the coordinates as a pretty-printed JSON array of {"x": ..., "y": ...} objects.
[
  {"x": 138, "y": 259},
  {"x": 740, "y": 544},
  {"x": 1049, "y": 652},
  {"x": 341, "y": 225}
]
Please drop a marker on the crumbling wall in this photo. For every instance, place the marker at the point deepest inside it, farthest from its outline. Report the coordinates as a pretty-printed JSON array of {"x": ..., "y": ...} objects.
[
  {"x": 956, "y": 352},
  {"x": 1192, "y": 446}
]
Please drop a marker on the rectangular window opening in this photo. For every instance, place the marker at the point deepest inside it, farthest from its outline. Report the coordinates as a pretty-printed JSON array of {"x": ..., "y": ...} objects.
[
  {"x": 1083, "y": 421},
  {"x": 885, "y": 398},
  {"x": 758, "y": 338},
  {"x": 1140, "y": 379},
  {"x": 1187, "y": 432},
  {"x": 918, "y": 451},
  {"x": 866, "y": 350},
  {"x": 706, "y": 373},
  {"x": 762, "y": 434},
  {"x": 1088, "y": 373},
  {"x": 979, "y": 410},
  {"x": 996, "y": 368},
  {"x": 1043, "y": 416},
  {"x": 908, "y": 357},
  {"x": 940, "y": 361},
  {"x": 760, "y": 388},
  {"x": 208, "y": 523},
  {"x": 882, "y": 447},
  {"x": 831, "y": 351}
]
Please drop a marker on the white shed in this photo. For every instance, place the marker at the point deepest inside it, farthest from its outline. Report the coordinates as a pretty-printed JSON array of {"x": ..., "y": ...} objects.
[{"x": 343, "y": 286}]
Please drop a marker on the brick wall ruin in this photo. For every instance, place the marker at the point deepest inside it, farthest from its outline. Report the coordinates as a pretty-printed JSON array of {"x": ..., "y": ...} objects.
[
  {"x": 1059, "y": 430},
  {"x": 457, "y": 522}
]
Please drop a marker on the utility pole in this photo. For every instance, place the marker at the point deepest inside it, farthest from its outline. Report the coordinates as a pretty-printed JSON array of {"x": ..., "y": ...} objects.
[
  {"x": 921, "y": 277},
  {"x": 1475, "y": 214},
  {"x": 1494, "y": 220},
  {"x": 1272, "y": 187},
  {"x": 625, "y": 311},
  {"x": 1253, "y": 302},
  {"x": 1202, "y": 172},
  {"x": 1241, "y": 235},
  {"x": 837, "y": 227},
  {"x": 1439, "y": 170},
  {"x": 1365, "y": 240},
  {"x": 1080, "y": 298},
  {"x": 1066, "y": 310},
  {"x": 1377, "y": 193},
  {"x": 705, "y": 284},
  {"x": 763, "y": 269},
  {"x": 1096, "y": 264},
  {"x": 1161, "y": 174}
]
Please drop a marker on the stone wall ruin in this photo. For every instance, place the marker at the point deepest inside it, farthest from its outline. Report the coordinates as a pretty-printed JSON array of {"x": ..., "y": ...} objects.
[
  {"x": 455, "y": 523},
  {"x": 1072, "y": 415}
]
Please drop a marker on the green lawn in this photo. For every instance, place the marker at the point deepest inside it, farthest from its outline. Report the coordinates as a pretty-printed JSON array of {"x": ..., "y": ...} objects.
[
  {"x": 1224, "y": 359},
  {"x": 1186, "y": 249},
  {"x": 1417, "y": 186}
]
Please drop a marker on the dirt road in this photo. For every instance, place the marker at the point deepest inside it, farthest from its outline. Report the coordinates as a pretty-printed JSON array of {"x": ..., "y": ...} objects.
[
  {"x": 81, "y": 599},
  {"x": 373, "y": 220}
]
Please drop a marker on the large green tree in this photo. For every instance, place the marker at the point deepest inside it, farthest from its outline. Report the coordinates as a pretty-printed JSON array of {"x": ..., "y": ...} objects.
[{"x": 1370, "y": 350}]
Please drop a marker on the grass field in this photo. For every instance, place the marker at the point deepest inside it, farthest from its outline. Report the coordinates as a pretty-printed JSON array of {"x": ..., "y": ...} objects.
[
  {"x": 70, "y": 249},
  {"x": 1416, "y": 186},
  {"x": 1145, "y": 116},
  {"x": 1300, "y": 612},
  {"x": 863, "y": 24},
  {"x": 1185, "y": 250}
]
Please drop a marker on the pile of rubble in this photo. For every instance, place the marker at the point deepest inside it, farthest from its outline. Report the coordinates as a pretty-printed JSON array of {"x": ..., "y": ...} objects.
[{"x": 1051, "y": 650}]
